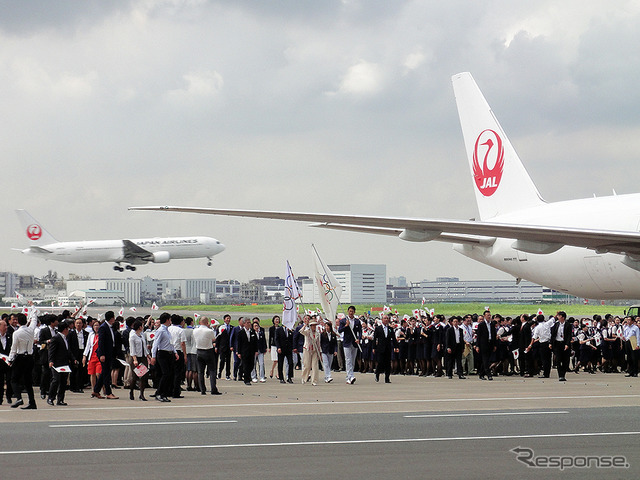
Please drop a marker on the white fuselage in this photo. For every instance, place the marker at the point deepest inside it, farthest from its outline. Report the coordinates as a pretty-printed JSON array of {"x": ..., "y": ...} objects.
[
  {"x": 578, "y": 271},
  {"x": 98, "y": 251}
]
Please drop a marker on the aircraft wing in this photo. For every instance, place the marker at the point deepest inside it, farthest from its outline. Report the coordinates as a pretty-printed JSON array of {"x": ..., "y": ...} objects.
[
  {"x": 133, "y": 253},
  {"x": 529, "y": 238}
]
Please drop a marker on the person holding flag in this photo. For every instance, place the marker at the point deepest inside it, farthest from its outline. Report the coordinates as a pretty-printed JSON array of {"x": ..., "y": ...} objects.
[{"x": 351, "y": 328}]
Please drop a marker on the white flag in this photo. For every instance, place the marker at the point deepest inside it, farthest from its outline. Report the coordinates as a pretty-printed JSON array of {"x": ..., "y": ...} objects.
[
  {"x": 133, "y": 309},
  {"x": 121, "y": 312},
  {"x": 14, "y": 306},
  {"x": 154, "y": 306},
  {"x": 19, "y": 296},
  {"x": 423, "y": 301},
  {"x": 328, "y": 287},
  {"x": 91, "y": 300},
  {"x": 291, "y": 294}
]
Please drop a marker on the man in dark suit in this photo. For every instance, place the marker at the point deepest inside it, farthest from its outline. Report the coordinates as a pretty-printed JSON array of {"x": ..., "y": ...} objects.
[
  {"x": 5, "y": 369},
  {"x": 77, "y": 339},
  {"x": 59, "y": 356},
  {"x": 284, "y": 345},
  {"x": 247, "y": 348},
  {"x": 525, "y": 357},
  {"x": 233, "y": 341},
  {"x": 223, "y": 342},
  {"x": 384, "y": 342},
  {"x": 561, "y": 333},
  {"x": 485, "y": 344},
  {"x": 106, "y": 354},
  {"x": 46, "y": 334},
  {"x": 454, "y": 344}
]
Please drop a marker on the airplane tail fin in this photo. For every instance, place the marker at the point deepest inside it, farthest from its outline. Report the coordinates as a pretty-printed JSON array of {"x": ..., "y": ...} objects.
[
  {"x": 33, "y": 230},
  {"x": 500, "y": 181}
]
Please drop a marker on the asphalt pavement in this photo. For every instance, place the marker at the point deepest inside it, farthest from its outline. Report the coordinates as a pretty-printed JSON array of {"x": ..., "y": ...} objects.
[{"x": 412, "y": 428}]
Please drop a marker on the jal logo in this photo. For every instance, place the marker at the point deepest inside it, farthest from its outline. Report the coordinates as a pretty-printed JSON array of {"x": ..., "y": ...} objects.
[
  {"x": 34, "y": 232},
  {"x": 489, "y": 150}
]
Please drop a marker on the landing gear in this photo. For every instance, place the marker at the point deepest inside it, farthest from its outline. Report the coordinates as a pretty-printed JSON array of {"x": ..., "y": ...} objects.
[
  {"x": 118, "y": 268},
  {"x": 209, "y": 262},
  {"x": 130, "y": 267}
]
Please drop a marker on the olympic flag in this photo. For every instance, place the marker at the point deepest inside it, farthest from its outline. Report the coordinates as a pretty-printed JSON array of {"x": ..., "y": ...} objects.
[
  {"x": 291, "y": 294},
  {"x": 328, "y": 287}
]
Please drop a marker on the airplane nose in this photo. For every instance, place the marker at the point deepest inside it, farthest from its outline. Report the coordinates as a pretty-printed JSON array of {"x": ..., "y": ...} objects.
[{"x": 222, "y": 246}]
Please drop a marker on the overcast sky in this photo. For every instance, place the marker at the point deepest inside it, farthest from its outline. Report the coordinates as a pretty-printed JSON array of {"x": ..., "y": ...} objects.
[{"x": 333, "y": 106}]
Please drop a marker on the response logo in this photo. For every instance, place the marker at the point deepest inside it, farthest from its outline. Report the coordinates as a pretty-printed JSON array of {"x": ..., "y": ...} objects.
[
  {"x": 488, "y": 147},
  {"x": 34, "y": 231}
]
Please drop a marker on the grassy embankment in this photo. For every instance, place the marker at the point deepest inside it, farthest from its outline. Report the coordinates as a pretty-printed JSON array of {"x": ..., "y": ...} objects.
[{"x": 447, "y": 309}]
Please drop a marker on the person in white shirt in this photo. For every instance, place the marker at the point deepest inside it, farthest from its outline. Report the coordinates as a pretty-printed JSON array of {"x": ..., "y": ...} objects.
[
  {"x": 179, "y": 342},
  {"x": 21, "y": 360},
  {"x": 204, "y": 339}
]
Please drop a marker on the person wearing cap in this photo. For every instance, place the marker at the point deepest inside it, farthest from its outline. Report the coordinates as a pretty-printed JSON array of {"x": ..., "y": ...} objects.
[{"x": 311, "y": 350}]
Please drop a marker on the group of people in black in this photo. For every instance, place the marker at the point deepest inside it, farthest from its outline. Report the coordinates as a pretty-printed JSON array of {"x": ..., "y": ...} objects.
[{"x": 55, "y": 351}]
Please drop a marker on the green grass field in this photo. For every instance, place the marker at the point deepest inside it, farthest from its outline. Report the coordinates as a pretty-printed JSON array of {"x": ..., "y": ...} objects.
[{"x": 447, "y": 309}]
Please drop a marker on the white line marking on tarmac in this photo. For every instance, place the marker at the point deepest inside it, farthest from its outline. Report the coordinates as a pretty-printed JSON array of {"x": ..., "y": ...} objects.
[
  {"x": 136, "y": 449},
  {"x": 94, "y": 425},
  {"x": 358, "y": 402},
  {"x": 482, "y": 414}
]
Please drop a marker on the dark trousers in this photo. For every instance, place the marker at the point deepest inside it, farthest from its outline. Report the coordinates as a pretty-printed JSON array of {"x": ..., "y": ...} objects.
[
  {"x": 78, "y": 376},
  {"x": 237, "y": 362},
  {"x": 384, "y": 364},
  {"x": 289, "y": 356},
  {"x": 178, "y": 373},
  {"x": 454, "y": 357},
  {"x": 58, "y": 385},
  {"x": 207, "y": 360},
  {"x": 5, "y": 377},
  {"x": 166, "y": 361},
  {"x": 104, "y": 379},
  {"x": 483, "y": 366},
  {"x": 545, "y": 358},
  {"x": 225, "y": 361},
  {"x": 563, "y": 357},
  {"x": 248, "y": 362},
  {"x": 45, "y": 377},
  {"x": 21, "y": 377}
]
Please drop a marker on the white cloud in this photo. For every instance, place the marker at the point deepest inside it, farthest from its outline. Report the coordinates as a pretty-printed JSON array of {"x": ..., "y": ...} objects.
[{"x": 362, "y": 79}]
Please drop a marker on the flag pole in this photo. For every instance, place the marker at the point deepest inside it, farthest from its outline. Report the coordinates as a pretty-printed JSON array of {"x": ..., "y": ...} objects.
[
  {"x": 293, "y": 277},
  {"x": 339, "y": 302}
]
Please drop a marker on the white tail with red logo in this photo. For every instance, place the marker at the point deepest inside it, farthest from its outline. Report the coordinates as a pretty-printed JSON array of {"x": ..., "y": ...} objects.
[
  {"x": 33, "y": 230},
  {"x": 500, "y": 181}
]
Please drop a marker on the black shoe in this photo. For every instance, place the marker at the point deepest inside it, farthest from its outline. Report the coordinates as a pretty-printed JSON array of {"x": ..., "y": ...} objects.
[
  {"x": 562, "y": 379},
  {"x": 490, "y": 377},
  {"x": 247, "y": 383},
  {"x": 131, "y": 395},
  {"x": 43, "y": 396},
  {"x": 141, "y": 397},
  {"x": 178, "y": 396},
  {"x": 387, "y": 381},
  {"x": 353, "y": 380},
  {"x": 282, "y": 381},
  {"x": 216, "y": 393},
  {"x": 462, "y": 377},
  {"x": 157, "y": 397},
  {"x": 30, "y": 406},
  {"x": 61, "y": 403},
  {"x": 289, "y": 381},
  {"x": 203, "y": 393},
  {"x": 49, "y": 402},
  {"x": 154, "y": 395},
  {"x": 377, "y": 378},
  {"x": 450, "y": 377},
  {"x": 17, "y": 403}
]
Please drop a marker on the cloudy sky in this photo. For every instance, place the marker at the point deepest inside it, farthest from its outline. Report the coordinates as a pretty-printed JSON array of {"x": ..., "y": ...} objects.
[{"x": 334, "y": 106}]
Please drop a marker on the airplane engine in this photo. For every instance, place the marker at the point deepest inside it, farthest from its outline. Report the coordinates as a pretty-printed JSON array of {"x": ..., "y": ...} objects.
[{"x": 161, "y": 257}]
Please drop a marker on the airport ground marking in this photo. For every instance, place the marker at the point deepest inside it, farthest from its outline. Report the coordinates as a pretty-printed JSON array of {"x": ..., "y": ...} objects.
[
  {"x": 489, "y": 414},
  {"x": 131, "y": 424},
  {"x": 137, "y": 448}
]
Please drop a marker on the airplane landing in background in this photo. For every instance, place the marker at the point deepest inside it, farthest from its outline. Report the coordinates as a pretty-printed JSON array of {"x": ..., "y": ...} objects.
[
  {"x": 587, "y": 247},
  {"x": 132, "y": 252}
]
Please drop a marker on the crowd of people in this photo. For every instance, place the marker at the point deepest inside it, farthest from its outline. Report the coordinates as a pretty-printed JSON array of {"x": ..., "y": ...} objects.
[{"x": 170, "y": 354}]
